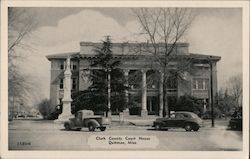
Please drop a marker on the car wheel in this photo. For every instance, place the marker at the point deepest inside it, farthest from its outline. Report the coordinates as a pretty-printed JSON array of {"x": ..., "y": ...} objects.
[
  {"x": 196, "y": 128},
  {"x": 102, "y": 128},
  {"x": 188, "y": 127},
  {"x": 234, "y": 127},
  {"x": 91, "y": 127},
  {"x": 67, "y": 126},
  {"x": 157, "y": 127}
]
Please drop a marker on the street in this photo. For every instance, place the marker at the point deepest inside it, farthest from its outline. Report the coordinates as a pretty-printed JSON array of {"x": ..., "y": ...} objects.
[{"x": 47, "y": 135}]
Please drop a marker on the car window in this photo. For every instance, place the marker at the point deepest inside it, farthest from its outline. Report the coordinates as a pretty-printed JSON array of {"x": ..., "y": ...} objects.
[
  {"x": 179, "y": 116},
  {"x": 79, "y": 115},
  {"x": 186, "y": 116},
  {"x": 172, "y": 116}
]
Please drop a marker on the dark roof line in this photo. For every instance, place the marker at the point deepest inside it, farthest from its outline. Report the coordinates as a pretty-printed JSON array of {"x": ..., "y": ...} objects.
[
  {"x": 78, "y": 55},
  {"x": 183, "y": 44},
  {"x": 61, "y": 55}
]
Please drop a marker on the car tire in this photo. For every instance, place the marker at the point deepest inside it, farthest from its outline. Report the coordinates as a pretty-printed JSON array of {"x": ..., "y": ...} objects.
[
  {"x": 67, "y": 126},
  {"x": 102, "y": 128},
  {"x": 91, "y": 127},
  {"x": 157, "y": 126},
  {"x": 196, "y": 128},
  {"x": 234, "y": 127},
  {"x": 188, "y": 127}
]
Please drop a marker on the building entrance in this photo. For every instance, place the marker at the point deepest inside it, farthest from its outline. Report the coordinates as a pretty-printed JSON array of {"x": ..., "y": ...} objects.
[{"x": 152, "y": 105}]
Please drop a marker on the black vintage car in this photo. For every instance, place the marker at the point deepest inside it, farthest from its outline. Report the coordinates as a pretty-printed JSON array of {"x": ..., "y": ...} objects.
[
  {"x": 187, "y": 120},
  {"x": 235, "y": 123}
]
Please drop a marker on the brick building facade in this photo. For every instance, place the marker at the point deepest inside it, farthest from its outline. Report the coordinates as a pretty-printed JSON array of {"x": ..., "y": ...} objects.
[{"x": 195, "y": 81}]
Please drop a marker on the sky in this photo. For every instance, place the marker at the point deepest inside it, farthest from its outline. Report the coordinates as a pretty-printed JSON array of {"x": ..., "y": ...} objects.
[{"x": 215, "y": 31}]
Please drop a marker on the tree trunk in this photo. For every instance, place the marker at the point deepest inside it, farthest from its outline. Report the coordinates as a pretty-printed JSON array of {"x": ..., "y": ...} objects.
[{"x": 165, "y": 100}]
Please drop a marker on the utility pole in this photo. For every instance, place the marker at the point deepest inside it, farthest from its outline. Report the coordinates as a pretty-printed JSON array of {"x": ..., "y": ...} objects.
[
  {"x": 211, "y": 91},
  {"x": 109, "y": 91}
]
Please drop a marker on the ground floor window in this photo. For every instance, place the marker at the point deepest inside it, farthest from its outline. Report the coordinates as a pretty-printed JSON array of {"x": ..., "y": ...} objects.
[
  {"x": 61, "y": 83},
  {"x": 172, "y": 100},
  {"x": 74, "y": 83}
]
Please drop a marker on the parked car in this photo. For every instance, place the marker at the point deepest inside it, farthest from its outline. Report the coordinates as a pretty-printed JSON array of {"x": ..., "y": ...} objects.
[
  {"x": 86, "y": 118},
  {"x": 187, "y": 120},
  {"x": 235, "y": 122},
  {"x": 55, "y": 112}
]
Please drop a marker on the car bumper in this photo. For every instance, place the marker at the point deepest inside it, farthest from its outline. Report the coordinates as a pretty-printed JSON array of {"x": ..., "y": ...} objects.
[
  {"x": 201, "y": 125},
  {"x": 106, "y": 122}
]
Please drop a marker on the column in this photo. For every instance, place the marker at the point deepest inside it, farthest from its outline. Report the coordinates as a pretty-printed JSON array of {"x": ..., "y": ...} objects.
[
  {"x": 126, "y": 110},
  {"x": 66, "y": 112},
  {"x": 161, "y": 94},
  {"x": 144, "y": 111},
  {"x": 204, "y": 105}
]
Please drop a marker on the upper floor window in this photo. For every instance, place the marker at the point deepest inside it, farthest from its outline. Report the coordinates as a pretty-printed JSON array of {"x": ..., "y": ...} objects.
[
  {"x": 152, "y": 79},
  {"x": 61, "y": 65},
  {"x": 73, "y": 65},
  {"x": 61, "y": 83},
  {"x": 200, "y": 83},
  {"x": 172, "y": 82}
]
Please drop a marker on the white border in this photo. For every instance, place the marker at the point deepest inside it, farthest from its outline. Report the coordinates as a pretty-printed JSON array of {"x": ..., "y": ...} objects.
[{"x": 123, "y": 154}]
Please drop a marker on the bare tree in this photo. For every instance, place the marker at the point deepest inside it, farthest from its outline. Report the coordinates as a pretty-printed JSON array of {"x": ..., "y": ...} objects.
[
  {"x": 163, "y": 29},
  {"x": 234, "y": 87},
  {"x": 20, "y": 25}
]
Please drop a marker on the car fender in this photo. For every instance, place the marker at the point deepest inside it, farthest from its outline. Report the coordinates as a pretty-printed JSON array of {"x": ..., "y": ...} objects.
[
  {"x": 191, "y": 123},
  {"x": 157, "y": 122},
  {"x": 94, "y": 122}
]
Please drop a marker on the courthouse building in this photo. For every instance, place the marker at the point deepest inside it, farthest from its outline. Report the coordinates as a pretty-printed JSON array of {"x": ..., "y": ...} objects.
[{"x": 134, "y": 60}]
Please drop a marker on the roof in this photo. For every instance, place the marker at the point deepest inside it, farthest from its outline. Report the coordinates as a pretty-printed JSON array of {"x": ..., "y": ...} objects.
[
  {"x": 202, "y": 56},
  {"x": 180, "y": 44},
  {"x": 87, "y": 51},
  {"x": 62, "y": 55},
  {"x": 77, "y": 54}
]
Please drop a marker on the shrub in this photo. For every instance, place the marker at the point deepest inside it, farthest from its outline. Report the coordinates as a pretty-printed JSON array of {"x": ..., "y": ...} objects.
[
  {"x": 44, "y": 108},
  {"x": 189, "y": 103}
]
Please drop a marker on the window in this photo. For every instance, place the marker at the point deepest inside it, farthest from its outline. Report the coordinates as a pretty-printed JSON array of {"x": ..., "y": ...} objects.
[
  {"x": 61, "y": 84},
  {"x": 179, "y": 116},
  {"x": 61, "y": 65},
  {"x": 172, "y": 116},
  {"x": 200, "y": 84},
  {"x": 172, "y": 82},
  {"x": 194, "y": 84},
  {"x": 74, "y": 83},
  {"x": 186, "y": 116},
  {"x": 73, "y": 65},
  {"x": 205, "y": 84}
]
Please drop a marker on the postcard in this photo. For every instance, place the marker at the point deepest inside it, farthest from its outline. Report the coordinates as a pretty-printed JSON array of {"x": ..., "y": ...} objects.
[{"x": 125, "y": 79}]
